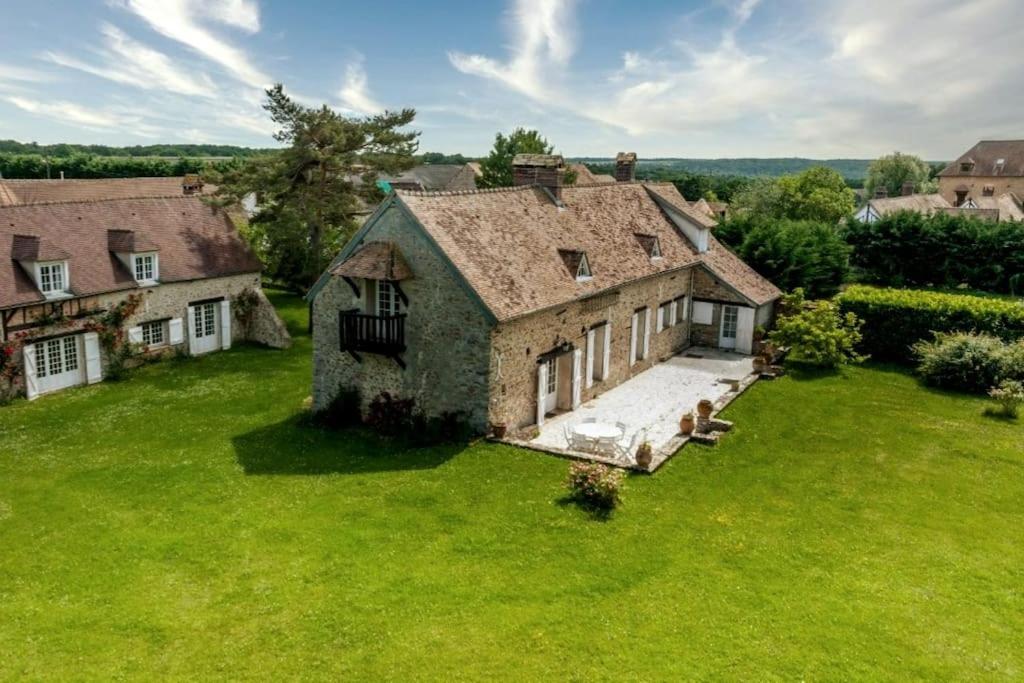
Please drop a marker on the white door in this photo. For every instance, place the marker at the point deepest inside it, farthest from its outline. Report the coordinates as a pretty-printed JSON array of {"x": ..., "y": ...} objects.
[
  {"x": 205, "y": 328},
  {"x": 551, "y": 385},
  {"x": 59, "y": 363},
  {"x": 730, "y": 322}
]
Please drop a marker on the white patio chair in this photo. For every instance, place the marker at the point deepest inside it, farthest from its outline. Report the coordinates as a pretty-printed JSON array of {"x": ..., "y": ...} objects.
[{"x": 627, "y": 453}]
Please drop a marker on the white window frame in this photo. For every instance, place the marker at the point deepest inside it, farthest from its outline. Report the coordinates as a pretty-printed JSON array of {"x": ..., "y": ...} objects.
[
  {"x": 139, "y": 260},
  {"x": 664, "y": 316},
  {"x": 681, "y": 312},
  {"x": 149, "y": 339},
  {"x": 386, "y": 297},
  {"x": 583, "y": 269},
  {"x": 45, "y": 272}
]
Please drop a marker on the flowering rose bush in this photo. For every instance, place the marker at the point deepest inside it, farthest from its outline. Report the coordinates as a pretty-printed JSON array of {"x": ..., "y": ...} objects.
[{"x": 595, "y": 484}]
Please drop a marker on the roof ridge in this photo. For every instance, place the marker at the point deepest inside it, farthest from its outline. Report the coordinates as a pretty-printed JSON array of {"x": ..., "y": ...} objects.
[
  {"x": 101, "y": 200},
  {"x": 456, "y": 193},
  {"x": 89, "y": 180}
]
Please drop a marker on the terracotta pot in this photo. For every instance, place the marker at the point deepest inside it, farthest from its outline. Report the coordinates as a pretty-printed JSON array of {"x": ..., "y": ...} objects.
[
  {"x": 704, "y": 408},
  {"x": 644, "y": 455},
  {"x": 499, "y": 430},
  {"x": 760, "y": 365},
  {"x": 686, "y": 424}
]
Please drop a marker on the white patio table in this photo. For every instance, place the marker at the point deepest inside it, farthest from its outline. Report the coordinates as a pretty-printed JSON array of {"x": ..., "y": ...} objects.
[{"x": 602, "y": 435}]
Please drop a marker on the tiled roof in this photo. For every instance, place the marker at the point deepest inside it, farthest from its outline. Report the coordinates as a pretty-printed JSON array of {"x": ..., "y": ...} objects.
[
  {"x": 985, "y": 157},
  {"x": 16, "y": 192},
  {"x": 195, "y": 241},
  {"x": 920, "y": 203},
  {"x": 433, "y": 177},
  {"x": 375, "y": 261},
  {"x": 1007, "y": 205},
  {"x": 508, "y": 243}
]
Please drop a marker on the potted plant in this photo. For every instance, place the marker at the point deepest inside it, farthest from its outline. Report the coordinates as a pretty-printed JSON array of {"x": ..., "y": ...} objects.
[
  {"x": 704, "y": 408},
  {"x": 687, "y": 423},
  {"x": 760, "y": 363},
  {"x": 644, "y": 454},
  {"x": 499, "y": 429}
]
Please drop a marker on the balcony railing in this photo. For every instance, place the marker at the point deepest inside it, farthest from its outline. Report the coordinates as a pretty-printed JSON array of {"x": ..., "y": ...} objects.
[{"x": 381, "y": 334}]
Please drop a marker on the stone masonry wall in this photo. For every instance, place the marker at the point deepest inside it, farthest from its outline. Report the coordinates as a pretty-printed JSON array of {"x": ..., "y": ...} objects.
[
  {"x": 517, "y": 344},
  {"x": 447, "y": 336},
  {"x": 709, "y": 288},
  {"x": 976, "y": 186}
]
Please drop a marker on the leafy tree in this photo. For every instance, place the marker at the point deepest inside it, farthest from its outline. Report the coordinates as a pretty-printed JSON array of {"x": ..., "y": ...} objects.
[
  {"x": 817, "y": 194},
  {"x": 811, "y": 255},
  {"x": 817, "y": 333},
  {"x": 310, "y": 191},
  {"x": 497, "y": 167},
  {"x": 893, "y": 170}
]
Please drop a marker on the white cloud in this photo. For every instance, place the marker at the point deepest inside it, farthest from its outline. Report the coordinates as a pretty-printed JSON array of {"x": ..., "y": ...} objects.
[
  {"x": 67, "y": 112},
  {"x": 543, "y": 40},
  {"x": 132, "y": 63},
  {"x": 355, "y": 93},
  {"x": 182, "y": 21}
]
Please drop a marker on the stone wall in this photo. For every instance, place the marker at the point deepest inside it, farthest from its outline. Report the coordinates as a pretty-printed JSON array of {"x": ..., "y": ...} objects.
[
  {"x": 518, "y": 344},
  {"x": 171, "y": 300},
  {"x": 706, "y": 287},
  {"x": 976, "y": 186},
  {"x": 447, "y": 335}
]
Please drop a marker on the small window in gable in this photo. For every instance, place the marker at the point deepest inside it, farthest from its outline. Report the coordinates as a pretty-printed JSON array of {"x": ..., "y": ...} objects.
[
  {"x": 988, "y": 191},
  {"x": 145, "y": 267},
  {"x": 53, "y": 278},
  {"x": 577, "y": 263},
  {"x": 967, "y": 167},
  {"x": 651, "y": 245}
]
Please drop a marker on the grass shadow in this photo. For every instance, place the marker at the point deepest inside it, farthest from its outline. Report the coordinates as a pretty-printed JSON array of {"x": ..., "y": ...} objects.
[
  {"x": 999, "y": 415},
  {"x": 806, "y": 372},
  {"x": 296, "y": 446},
  {"x": 594, "y": 512}
]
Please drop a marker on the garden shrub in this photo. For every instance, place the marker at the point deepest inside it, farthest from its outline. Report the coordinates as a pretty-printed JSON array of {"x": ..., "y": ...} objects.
[
  {"x": 817, "y": 333},
  {"x": 896, "y": 319},
  {"x": 389, "y": 415},
  {"x": 595, "y": 485},
  {"x": 965, "y": 361},
  {"x": 1009, "y": 396},
  {"x": 344, "y": 410}
]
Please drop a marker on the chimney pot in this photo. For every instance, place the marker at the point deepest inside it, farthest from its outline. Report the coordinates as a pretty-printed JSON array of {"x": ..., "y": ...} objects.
[
  {"x": 881, "y": 193},
  {"x": 625, "y": 167},
  {"x": 908, "y": 188},
  {"x": 544, "y": 170}
]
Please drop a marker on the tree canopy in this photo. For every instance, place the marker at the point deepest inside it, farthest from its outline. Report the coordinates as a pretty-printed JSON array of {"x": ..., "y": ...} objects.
[
  {"x": 310, "y": 192},
  {"x": 497, "y": 167},
  {"x": 893, "y": 170},
  {"x": 817, "y": 194}
]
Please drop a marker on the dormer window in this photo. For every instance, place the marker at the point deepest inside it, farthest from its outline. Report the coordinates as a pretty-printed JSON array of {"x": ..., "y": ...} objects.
[
  {"x": 145, "y": 267},
  {"x": 651, "y": 245},
  {"x": 967, "y": 167},
  {"x": 53, "y": 278},
  {"x": 577, "y": 263}
]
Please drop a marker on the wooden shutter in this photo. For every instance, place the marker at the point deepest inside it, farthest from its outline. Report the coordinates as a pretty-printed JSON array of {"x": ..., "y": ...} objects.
[
  {"x": 174, "y": 331},
  {"x": 135, "y": 335},
  {"x": 590, "y": 358},
  {"x": 647, "y": 332},
  {"x": 542, "y": 383},
  {"x": 28, "y": 352},
  {"x": 93, "y": 366},
  {"x": 577, "y": 378},
  {"x": 632, "y": 339},
  {"x": 745, "y": 329},
  {"x": 225, "y": 324},
  {"x": 191, "y": 319},
  {"x": 673, "y": 313},
  {"x": 607, "y": 360},
  {"x": 703, "y": 312},
  {"x": 660, "y": 322}
]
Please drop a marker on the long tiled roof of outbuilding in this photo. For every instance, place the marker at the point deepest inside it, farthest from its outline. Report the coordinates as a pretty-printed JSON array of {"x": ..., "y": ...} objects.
[
  {"x": 194, "y": 240},
  {"x": 506, "y": 243}
]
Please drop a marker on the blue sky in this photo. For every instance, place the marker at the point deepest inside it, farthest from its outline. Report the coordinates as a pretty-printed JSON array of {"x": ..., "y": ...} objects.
[{"x": 718, "y": 78}]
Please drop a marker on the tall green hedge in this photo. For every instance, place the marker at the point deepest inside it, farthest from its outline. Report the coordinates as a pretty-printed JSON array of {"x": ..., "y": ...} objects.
[{"x": 896, "y": 319}]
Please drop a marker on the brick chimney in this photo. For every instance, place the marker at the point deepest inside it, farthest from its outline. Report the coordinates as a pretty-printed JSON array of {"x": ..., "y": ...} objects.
[
  {"x": 192, "y": 183},
  {"x": 625, "y": 167},
  {"x": 908, "y": 188},
  {"x": 544, "y": 170},
  {"x": 881, "y": 192}
]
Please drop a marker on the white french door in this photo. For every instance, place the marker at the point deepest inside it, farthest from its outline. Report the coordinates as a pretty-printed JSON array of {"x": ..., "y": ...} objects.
[
  {"x": 59, "y": 363},
  {"x": 205, "y": 328},
  {"x": 551, "y": 386},
  {"x": 730, "y": 323}
]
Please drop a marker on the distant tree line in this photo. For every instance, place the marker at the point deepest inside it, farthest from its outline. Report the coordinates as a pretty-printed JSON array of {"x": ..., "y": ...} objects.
[
  {"x": 38, "y": 166},
  {"x": 64, "y": 149}
]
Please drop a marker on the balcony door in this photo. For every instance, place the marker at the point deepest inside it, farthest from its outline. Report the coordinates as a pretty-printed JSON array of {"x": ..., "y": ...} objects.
[{"x": 388, "y": 302}]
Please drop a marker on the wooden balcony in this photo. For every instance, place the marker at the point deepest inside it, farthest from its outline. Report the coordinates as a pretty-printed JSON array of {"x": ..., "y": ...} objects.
[{"x": 380, "y": 334}]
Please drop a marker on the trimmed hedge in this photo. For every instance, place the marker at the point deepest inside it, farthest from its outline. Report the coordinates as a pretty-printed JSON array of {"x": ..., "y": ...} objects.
[{"x": 896, "y": 319}]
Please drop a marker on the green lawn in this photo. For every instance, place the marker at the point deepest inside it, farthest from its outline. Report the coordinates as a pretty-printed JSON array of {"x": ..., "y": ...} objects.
[{"x": 185, "y": 524}]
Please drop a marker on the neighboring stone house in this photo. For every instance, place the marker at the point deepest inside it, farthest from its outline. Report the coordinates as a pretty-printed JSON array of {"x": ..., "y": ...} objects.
[
  {"x": 506, "y": 305},
  {"x": 1006, "y": 207},
  {"x": 65, "y": 266},
  {"x": 991, "y": 168},
  {"x": 434, "y": 178},
  {"x": 20, "y": 192}
]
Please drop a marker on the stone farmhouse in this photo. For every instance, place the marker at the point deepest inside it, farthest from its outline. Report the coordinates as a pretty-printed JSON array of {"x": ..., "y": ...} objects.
[
  {"x": 984, "y": 174},
  {"x": 173, "y": 265},
  {"x": 507, "y": 305}
]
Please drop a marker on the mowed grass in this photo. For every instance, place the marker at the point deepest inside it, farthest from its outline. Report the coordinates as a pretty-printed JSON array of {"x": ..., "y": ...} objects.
[{"x": 187, "y": 524}]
